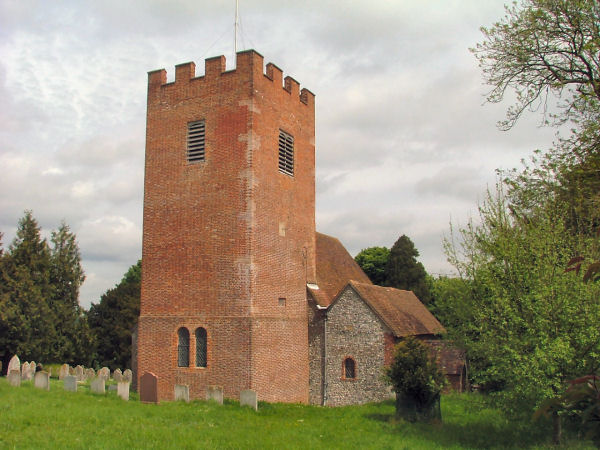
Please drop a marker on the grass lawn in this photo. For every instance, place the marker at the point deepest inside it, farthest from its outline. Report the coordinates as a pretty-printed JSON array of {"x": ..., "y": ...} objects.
[{"x": 31, "y": 417}]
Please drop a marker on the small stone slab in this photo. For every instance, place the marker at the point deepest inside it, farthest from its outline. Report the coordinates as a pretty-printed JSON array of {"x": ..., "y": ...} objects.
[
  {"x": 112, "y": 387},
  {"x": 63, "y": 372},
  {"x": 98, "y": 386},
  {"x": 127, "y": 375},
  {"x": 215, "y": 393},
  {"x": 248, "y": 398},
  {"x": 149, "y": 388},
  {"x": 70, "y": 383},
  {"x": 14, "y": 377},
  {"x": 123, "y": 390},
  {"x": 182, "y": 392},
  {"x": 14, "y": 364},
  {"x": 42, "y": 380}
]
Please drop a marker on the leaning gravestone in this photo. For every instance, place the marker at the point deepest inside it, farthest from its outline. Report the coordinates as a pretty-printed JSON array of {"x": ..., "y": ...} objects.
[
  {"x": 127, "y": 375},
  {"x": 98, "y": 386},
  {"x": 64, "y": 371},
  {"x": 248, "y": 398},
  {"x": 149, "y": 388},
  {"x": 182, "y": 392},
  {"x": 215, "y": 393},
  {"x": 117, "y": 375},
  {"x": 104, "y": 373},
  {"x": 42, "y": 380},
  {"x": 14, "y": 377},
  {"x": 70, "y": 383},
  {"x": 14, "y": 364},
  {"x": 123, "y": 390}
]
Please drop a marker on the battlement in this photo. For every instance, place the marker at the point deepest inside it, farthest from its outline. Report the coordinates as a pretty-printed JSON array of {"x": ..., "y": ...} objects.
[{"x": 249, "y": 64}]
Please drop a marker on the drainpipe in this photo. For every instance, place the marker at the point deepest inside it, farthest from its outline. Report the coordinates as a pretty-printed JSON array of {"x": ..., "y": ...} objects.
[{"x": 325, "y": 359}]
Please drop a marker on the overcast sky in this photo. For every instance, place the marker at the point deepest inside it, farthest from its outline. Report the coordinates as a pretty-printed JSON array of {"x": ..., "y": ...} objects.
[{"x": 404, "y": 141}]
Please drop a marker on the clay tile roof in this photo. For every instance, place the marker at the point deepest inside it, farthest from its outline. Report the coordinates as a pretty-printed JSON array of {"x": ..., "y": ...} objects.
[
  {"x": 335, "y": 268},
  {"x": 400, "y": 310}
]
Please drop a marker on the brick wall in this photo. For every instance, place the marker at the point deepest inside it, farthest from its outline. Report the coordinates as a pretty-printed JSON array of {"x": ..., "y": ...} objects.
[{"x": 226, "y": 238}]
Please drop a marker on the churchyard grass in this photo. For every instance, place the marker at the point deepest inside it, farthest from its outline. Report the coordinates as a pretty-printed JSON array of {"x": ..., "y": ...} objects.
[{"x": 31, "y": 417}]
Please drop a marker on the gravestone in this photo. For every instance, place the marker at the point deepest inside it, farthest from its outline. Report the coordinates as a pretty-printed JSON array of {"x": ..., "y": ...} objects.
[
  {"x": 104, "y": 373},
  {"x": 112, "y": 387},
  {"x": 42, "y": 380},
  {"x": 215, "y": 393},
  {"x": 123, "y": 390},
  {"x": 70, "y": 383},
  {"x": 149, "y": 388},
  {"x": 72, "y": 371},
  {"x": 89, "y": 374},
  {"x": 79, "y": 373},
  {"x": 14, "y": 377},
  {"x": 64, "y": 371},
  {"x": 182, "y": 392},
  {"x": 127, "y": 375},
  {"x": 14, "y": 364},
  {"x": 117, "y": 375},
  {"x": 248, "y": 398},
  {"x": 98, "y": 386},
  {"x": 26, "y": 371},
  {"x": 32, "y": 366}
]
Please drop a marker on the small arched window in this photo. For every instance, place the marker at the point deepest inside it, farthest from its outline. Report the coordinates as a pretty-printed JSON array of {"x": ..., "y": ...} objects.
[
  {"x": 200, "y": 347},
  {"x": 183, "y": 347},
  {"x": 349, "y": 369}
]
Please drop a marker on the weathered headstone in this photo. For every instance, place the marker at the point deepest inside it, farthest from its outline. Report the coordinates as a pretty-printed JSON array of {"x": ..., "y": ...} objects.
[
  {"x": 117, "y": 375},
  {"x": 14, "y": 364},
  {"x": 215, "y": 393},
  {"x": 98, "y": 386},
  {"x": 248, "y": 398},
  {"x": 26, "y": 371},
  {"x": 32, "y": 367},
  {"x": 123, "y": 390},
  {"x": 149, "y": 388},
  {"x": 127, "y": 375},
  {"x": 104, "y": 373},
  {"x": 64, "y": 371},
  {"x": 90, "y": 374},
  {"x": 14, "y": 377},
  {"x": 182, "y": 392},
  {"x": 42, "y": 380},
  {"x": 72, "y": 371},
  {"x": 70, "y": 383},
  {"x": 80, "y": 373}
]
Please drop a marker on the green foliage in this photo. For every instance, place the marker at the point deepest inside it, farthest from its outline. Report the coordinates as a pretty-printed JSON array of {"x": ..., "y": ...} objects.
[
  {"x": 403, "y": 271},
  {"x": 372, "y": 261},
  {"x": 544, "y": 48},
  {"x": 112, "y": 320},
  {"x": 414, "y": 373}
]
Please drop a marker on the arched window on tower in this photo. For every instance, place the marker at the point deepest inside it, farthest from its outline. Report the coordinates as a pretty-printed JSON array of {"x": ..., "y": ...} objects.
[
  {"x": 183, "y": 347},
  {"x": 201, "y": 344},
  {"x": 349, "y": 369}
]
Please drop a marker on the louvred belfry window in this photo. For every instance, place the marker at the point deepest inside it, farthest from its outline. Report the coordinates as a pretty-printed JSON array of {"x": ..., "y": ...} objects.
[
  {"x": 195, "y": 141},
  {"x": 286, "y": 153}
]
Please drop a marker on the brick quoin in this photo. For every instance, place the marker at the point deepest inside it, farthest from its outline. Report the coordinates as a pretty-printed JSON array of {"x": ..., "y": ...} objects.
[{"x": 224, "y": 239}]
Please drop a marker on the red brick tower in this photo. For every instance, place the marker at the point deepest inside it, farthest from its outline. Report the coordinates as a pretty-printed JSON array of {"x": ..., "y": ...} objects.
[{"x": 229, "y": 231}]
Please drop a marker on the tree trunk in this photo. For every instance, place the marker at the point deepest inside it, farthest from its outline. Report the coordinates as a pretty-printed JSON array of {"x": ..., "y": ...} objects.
[{"x": 556, "y": 428}]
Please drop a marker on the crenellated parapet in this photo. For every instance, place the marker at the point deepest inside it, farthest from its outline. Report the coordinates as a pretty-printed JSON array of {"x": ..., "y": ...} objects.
[{"x": 249, "y": 66}]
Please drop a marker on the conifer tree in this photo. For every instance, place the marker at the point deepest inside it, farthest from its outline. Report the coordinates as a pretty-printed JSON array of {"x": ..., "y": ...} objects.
[{"x": 403, "y": 271}]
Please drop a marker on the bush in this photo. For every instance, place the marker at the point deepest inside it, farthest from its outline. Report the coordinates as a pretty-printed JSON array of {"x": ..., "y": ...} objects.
[{"x": 416, "y": 380}]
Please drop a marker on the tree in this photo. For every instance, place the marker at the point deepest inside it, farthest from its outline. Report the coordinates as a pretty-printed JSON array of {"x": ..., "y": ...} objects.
[
  {"x": 112, "y": 320},
  {"x": 66, "y": 277},
  {"x": 417, "y": 381},
  {"x": 372, "y": 261},
  {"x": 544, "y": 47},
  {"x": 403, "y": 271}
]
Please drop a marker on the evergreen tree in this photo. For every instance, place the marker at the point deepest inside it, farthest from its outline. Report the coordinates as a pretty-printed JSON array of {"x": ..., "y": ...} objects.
[
  {"x": 403, "y": 271},
  {"x": 66, "y": 277},
  {"x": 112, "y": 320}
]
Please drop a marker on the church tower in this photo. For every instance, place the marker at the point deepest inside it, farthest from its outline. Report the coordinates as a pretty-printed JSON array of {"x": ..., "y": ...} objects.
[{"x": 229, "y": 231}]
